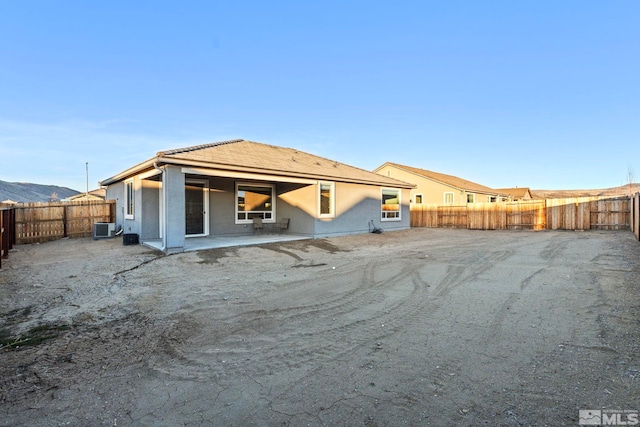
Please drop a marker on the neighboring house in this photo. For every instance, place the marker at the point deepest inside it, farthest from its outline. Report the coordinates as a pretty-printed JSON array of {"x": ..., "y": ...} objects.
[
  {"x": 219, "y": 188},
  {"x": 438, "y": 188},
  {"x": 517, "y": 194},
  {"x": 97, "y": 194}
]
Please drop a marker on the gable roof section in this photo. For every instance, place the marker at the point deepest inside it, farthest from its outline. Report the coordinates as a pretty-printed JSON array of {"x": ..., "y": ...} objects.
[
  {"x": 247, "y": 156},
  {"x": 516, "y": 192},
  {"x": 450, "y": 180}
]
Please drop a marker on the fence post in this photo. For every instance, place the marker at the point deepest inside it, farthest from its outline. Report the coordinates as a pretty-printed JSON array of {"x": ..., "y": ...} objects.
[
  {"x": 64, "y": 221},
  {"x": 12, "y": 228}
]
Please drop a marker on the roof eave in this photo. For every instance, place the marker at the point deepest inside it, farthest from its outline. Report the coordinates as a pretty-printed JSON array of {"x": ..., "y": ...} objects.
[{"x": 134, "y": 170}]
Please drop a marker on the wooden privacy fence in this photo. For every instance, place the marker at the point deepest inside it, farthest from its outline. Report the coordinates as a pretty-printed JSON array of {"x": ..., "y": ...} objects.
[
  {"x": 578, "y": 213},
  {"x": 41, "y": 222}
]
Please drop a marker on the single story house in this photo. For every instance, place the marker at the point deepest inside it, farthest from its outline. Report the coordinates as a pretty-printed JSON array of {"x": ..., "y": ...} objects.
[
  {"x": 219, "y": 189},
  {"x": 518, "y": 193},
  {"x": 438, "y": 188}
]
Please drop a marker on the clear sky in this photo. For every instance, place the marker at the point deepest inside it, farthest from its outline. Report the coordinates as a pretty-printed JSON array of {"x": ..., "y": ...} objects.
[{"x": 541, "y": 94}]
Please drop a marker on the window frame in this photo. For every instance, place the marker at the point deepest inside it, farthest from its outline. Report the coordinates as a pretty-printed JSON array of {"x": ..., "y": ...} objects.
[
  {"x": 471, "y": 196},
  {"x": 332, "y": 199},
  {"x": 415, "y": 198},
  {"x": 129, "y": 199},
  {"x": 248, "y": 220},
  {"x": 383, "y": 217},
  {"x": 444, "y": 201}
]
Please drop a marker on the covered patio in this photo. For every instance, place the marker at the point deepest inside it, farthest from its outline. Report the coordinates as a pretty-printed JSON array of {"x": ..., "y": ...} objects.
[{"x": 213, "y": 242}]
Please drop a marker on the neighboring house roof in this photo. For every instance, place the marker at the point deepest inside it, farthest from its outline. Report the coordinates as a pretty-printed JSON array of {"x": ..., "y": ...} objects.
[
  {"x": 8, "y": 202},
  {"x": 97, "y": 194},
  {"x": 253, "y": 157},
  {"x": 517, "y": 192},
  {"x": 450, "y": 180}
]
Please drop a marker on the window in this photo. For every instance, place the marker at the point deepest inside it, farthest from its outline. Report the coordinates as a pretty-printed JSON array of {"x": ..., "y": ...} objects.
[
  {"x": 254, "y": 201},
  {"x": 390, "y": 204},
  {"x": 471, "y": 198},
  {"x": 492, "y": 199},
  {"x": 128, "y": 199},
  {"x": 418, "y": 199},
  {"x": 448, "y": 198},
  {"x": 327, "y": 199}
]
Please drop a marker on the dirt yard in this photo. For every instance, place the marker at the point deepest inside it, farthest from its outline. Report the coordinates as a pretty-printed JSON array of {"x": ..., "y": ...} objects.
[{"x": 420, "y": 327}]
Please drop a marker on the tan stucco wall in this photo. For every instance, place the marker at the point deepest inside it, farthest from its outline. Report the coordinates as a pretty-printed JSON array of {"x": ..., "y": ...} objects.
[{"x": 432, "y": 191}]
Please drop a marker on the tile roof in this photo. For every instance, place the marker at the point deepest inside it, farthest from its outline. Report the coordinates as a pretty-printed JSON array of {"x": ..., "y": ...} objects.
[
  {"x": 450, "y": 180},
  {"x": 255, "y": 157},
  {"x": 196, "y": 147}
]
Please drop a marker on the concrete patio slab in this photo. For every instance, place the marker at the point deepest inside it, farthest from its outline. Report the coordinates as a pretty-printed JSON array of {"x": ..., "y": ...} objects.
[{"x": 212, "y": 242}]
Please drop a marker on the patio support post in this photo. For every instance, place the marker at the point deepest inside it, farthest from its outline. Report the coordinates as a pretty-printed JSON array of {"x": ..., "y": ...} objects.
[{"x": 173, "y": 193}]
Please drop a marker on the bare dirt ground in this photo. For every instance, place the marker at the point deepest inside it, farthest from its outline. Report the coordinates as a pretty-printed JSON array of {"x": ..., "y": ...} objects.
[{"x": 419, "y": 327}]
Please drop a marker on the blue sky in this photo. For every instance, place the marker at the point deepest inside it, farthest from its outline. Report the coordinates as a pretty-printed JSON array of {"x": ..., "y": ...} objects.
[{"x": 542, "y": 94}]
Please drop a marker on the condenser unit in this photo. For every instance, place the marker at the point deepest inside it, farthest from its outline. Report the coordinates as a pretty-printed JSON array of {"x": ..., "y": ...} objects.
[{"x": 104, "y": 230}]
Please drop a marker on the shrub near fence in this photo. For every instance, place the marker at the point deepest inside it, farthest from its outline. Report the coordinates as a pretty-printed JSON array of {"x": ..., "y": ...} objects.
[
  {"x": 41, "y": 222},
  {"x": 579, "y": 213}
]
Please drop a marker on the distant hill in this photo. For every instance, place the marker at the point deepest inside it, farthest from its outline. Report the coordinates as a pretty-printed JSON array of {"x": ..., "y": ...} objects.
[
  {"x": 24, "y": 192},
  {"x": 623, "y": 190}
]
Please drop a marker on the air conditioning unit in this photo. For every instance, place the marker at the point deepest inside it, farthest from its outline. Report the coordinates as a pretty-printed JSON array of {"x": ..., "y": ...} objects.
[{"x": 104, "y": 230}]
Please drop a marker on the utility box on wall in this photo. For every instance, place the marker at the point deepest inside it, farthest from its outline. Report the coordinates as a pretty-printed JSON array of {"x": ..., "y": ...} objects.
[{"x": 130, "y": 239}]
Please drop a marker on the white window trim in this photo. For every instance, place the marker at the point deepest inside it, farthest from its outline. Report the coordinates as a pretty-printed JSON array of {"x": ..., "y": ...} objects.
[
  {"x": 332, "y": 200},
  {"x": 255, "y": 184},
  {"x": 444, "y": 199},
  {"x": 128, "y": 202},
  {"x": 399, "y": 217}
]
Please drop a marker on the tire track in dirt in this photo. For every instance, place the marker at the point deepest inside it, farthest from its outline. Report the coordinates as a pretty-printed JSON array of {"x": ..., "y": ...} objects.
[
  {"x": 420, "y": 304},
  {"x": 420, "y": 307},
  {"x": 319, "y": 331},
  {"x": 416, "y": 313},
  {"x": 338, "y": 329},
  {"x": 554, "y": 249},
  {"x": 463, "y": 269}
]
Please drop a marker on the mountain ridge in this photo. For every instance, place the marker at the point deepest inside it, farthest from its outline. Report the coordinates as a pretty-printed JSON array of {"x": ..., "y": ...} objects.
[
  {"x": 623, "y": 190},
  {"x": 26, "y": 192}
]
